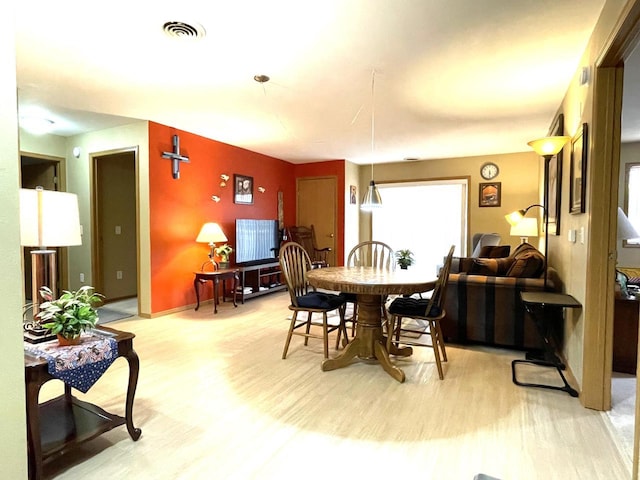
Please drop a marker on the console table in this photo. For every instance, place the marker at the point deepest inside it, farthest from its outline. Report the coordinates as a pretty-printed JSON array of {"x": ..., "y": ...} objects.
[
  {"x": 215, "y": 277},
  {"x": 59, "y": 424}
]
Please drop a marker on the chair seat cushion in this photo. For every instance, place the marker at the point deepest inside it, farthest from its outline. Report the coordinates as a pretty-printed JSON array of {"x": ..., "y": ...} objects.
[
  {"x": 320, "y": 300},
  {"x": 412, "y": 307}
]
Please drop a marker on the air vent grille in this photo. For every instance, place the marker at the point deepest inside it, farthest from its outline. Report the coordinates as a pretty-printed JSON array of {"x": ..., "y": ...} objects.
[{"x": 183, "y": 30}]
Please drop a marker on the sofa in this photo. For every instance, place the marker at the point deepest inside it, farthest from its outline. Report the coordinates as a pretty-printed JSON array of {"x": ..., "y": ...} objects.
[{"x": 483, "y": 302}]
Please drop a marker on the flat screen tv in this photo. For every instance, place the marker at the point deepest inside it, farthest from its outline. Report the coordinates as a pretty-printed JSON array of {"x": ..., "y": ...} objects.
[{"x": 257, "y": 241}]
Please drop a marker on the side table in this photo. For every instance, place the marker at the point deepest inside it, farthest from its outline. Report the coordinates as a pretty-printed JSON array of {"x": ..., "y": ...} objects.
[
  {"x": 215, "y": 277},
  {"x": 57, "y": 425},
  {"x": 541, "y": 306}
]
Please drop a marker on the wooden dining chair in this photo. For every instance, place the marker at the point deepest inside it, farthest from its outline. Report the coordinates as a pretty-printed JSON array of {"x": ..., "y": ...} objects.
[
  {"x": 371, "y": 253},
  {"x": 426, "y": 314},
  {"x": 294, "y": 264}
]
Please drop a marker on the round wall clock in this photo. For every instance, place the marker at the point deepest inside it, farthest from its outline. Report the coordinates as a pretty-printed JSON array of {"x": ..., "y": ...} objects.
[{"x": 489, "y": 171}]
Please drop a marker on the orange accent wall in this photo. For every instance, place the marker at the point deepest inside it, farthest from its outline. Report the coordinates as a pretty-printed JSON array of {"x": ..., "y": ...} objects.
[
  {"x": 323, "y": 169},
  {"x": 178, "y": 208}
]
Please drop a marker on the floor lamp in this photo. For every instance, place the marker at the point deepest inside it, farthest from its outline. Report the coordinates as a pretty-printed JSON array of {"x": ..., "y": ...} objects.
[
  {"x": 546, "y": 147},
  {"x": 47, "y": 219}
]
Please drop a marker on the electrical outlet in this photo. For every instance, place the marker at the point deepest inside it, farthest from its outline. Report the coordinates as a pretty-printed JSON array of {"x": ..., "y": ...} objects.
[
  {"x": 118, "y": 230},
  {"x": 82, "y": 278},
  {"x": 119, "y": 275}
]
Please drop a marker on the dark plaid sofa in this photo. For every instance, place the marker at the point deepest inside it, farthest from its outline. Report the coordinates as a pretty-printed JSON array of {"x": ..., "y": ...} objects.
[{"x": 483, "y": 302}]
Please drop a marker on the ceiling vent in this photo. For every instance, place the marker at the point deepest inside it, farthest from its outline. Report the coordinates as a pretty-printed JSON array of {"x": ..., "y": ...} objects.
[{"x": 183, "y": 30}]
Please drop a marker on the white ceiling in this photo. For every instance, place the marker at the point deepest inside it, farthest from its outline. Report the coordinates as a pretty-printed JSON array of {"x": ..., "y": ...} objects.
[{"x": 453, "y": 77}]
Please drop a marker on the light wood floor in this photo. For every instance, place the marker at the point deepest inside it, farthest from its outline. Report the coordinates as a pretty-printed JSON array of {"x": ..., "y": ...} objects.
[{"x": 216, "y": 401}]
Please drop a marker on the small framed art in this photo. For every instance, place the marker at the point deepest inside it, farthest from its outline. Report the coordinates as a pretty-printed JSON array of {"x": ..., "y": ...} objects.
[
  {"x": 578, "y": 185},
  {"x": 243, "y": 189},
  {"x": 490, "y": 195}
]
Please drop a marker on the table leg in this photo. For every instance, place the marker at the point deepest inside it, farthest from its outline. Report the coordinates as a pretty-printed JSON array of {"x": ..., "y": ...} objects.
[
  {"x": 195, "y": 287},
  {"x": 134, "y": 368},
  {"x": 369, "y": 343},
  {"x": 34, "y": 445},
  {"x": 234, "y": 291},
  {"x": 216, "y": 282},
  {"x": 548, "y": 357}
]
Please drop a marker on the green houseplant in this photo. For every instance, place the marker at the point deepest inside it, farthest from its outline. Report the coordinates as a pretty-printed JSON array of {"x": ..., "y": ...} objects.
[
  {"x": 223, "y": 251},
  {"x": 71, "y": 314},
  {"x": 404, "y": 258}
]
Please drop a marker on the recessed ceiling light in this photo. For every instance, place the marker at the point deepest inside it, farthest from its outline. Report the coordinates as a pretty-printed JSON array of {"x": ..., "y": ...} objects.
[
  {"x": 261, "y": 78},
  {"x": 184, "y": 30}
]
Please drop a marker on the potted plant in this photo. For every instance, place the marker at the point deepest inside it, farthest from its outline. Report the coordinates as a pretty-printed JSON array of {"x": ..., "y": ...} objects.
[
  {"x": 404, "y": 258},
  {"x": 71, "y": 314},
  {"x": 223, "y": 251}
]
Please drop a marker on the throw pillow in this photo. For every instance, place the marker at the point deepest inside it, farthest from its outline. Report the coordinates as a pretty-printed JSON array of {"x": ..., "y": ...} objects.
[{"x": 527, "y": 265}]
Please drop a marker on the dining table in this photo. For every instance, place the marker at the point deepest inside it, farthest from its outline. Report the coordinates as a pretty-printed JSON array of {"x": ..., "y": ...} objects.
[{"x": 370, "y": 285}]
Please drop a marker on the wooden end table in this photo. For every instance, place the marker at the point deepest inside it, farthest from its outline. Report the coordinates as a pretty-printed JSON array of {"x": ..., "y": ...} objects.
[
  {"x": 215, "y": 277},
  {"x": 64, "y": 422}
]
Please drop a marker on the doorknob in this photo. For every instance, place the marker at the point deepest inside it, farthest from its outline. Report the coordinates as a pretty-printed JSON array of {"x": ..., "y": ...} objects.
[{"x": 331, "y": 235}]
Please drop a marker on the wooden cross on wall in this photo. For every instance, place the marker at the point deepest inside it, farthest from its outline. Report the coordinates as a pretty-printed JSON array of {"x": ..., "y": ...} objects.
[{"x": 175, "y": 157}]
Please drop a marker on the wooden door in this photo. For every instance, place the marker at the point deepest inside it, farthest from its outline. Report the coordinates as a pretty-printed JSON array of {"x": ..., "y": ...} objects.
[{"x": 316, "y": 205}]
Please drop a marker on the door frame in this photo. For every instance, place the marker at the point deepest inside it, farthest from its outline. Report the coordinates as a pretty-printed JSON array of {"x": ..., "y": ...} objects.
[{"x": 96, "y": 266}]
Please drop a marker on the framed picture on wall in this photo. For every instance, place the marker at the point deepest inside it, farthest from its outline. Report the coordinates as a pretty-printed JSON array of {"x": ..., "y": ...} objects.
[
  {"x": 490, "y": 194},
  {"x": 578, "y": 185},
  {"x": 242, "y": 189},
  {"x": 352, "y": 195},
  {"x": 553, "y": 182}
]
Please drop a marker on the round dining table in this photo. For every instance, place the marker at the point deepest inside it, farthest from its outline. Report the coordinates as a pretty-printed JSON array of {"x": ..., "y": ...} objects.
[{"x": 370, "y": 285}]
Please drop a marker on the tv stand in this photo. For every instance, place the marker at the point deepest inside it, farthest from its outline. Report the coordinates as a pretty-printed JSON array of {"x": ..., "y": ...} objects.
[{"x": 261, "y": 279}]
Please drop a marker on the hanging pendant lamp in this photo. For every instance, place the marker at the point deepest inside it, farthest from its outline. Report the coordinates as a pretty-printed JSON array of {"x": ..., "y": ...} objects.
[{"x": 372, "y": 199}]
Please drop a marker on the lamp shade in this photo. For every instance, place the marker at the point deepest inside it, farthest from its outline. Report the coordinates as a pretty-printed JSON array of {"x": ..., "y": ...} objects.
[
  {"x": 49, "y": 218},
  {"x": 515, "y": 217},
  {"x": 371, "y": 198},
  {"x": 527, "y": 227},
  {"x": 626, "y": 230},
  {"x": 548, "y": 146},
  {"x": 211, "y": 233}
]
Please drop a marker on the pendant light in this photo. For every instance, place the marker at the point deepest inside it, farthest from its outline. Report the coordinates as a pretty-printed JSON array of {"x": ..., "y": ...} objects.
[{"x": 372, "y": 198}]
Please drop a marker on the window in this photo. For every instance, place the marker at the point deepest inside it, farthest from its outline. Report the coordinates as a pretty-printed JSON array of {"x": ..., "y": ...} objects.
[
  {"x": 424, "y": 217},
  {"x": 632, "y": 199}
]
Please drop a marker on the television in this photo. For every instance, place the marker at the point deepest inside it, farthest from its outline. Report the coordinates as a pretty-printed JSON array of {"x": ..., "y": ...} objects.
[{"x": 257, "y": 241}]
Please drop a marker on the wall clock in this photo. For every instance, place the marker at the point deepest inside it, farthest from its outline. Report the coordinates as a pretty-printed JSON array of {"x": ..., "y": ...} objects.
[{"x": 489, "y": 171}]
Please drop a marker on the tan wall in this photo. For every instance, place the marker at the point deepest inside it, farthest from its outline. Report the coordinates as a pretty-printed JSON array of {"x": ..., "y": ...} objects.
[
  {"x": 519, "y": 177},
  {"x": 572, "y": 259},
  {"x": 629, "y": 153},
  {"x": 13, "y": 434},
  {"x": 134, "y": 135}
]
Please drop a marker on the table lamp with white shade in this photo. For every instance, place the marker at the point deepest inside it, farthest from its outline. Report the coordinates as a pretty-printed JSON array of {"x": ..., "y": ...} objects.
[
  {"x": 211, "y": 233},
  {"x": 47, "y": 219},
  {"x": 525, "y": 228}
]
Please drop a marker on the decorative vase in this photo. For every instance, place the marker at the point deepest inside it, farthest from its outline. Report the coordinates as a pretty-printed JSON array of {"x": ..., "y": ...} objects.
[
  {"x": 223, "y": 265},
  {"x": 66, "y": 342},
  {"x": 404, "y": 267}
]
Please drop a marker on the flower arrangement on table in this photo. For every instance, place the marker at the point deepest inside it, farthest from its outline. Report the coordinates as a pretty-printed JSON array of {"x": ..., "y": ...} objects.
[{"x": 223, "y": 251}]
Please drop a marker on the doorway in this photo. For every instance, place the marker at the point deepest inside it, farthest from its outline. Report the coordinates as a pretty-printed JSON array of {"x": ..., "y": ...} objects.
[
  {"x": 115, "y": 224},
  {"x": 46, "y": 172},
  {"x": 316, "y": 205}
]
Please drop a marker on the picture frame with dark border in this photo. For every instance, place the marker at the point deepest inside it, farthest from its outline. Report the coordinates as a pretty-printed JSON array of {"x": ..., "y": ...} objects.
[
  {"x": 554, "y": 180},
  {"x": 578, "y": 185},
  {"x": 490, "y": 194},
  {"x": 242, "y": 189}
]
